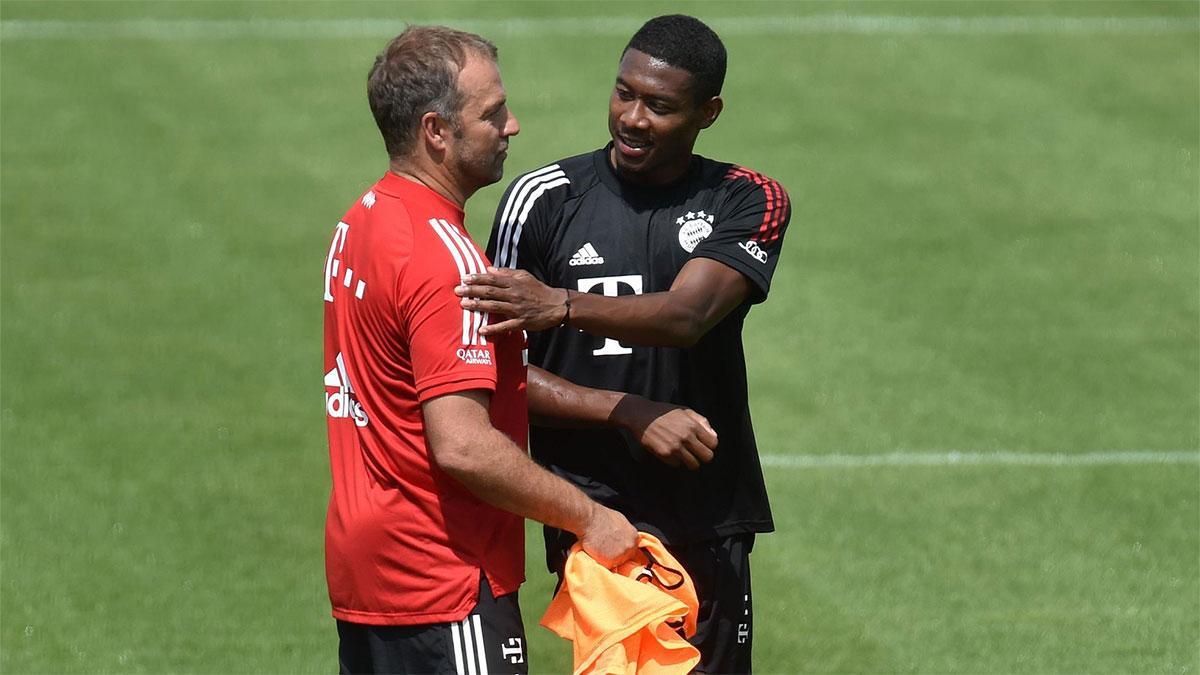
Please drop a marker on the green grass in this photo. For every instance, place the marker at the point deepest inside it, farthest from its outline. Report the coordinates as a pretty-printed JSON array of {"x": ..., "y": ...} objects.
[{"x": 994, "y": 247}]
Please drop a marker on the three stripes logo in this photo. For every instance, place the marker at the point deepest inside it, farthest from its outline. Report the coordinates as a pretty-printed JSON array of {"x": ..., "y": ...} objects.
[
  {"x": 341, "y": 404},
  {"x": 468, "y": 260},
  {"x": 470, "y": 656},
  {"x": 586, "y": 255},
  {"x": 778, "y": 207},
  {"x": 525, "y": 192}
]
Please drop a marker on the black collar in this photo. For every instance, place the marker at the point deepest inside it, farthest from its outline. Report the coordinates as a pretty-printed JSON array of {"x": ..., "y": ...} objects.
[{"x": 636, "y": 194}]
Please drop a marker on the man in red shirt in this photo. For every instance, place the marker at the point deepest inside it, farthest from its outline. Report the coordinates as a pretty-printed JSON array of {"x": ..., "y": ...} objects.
[{"x": 427, "y": 417}]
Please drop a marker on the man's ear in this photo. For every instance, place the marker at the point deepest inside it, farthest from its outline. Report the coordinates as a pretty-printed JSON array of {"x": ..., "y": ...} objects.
[
  {"x": 434, "y": 131},
  {"x": 710, "y": 110}
]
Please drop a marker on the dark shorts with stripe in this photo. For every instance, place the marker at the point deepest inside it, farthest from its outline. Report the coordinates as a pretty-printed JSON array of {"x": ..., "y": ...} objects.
[
  {"x": 491, "y": 640},
  {"x": 720, "y": 570}
]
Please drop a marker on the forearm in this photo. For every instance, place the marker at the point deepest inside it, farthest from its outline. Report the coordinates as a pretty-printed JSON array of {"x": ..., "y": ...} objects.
[
  {"x": 554, "y": 401},
  {"x": 676, "y": 435},
  {"x": 702, "y": 294},
  {"x": 650, "y": 320},
  {"x": 464, "y": 444},
  {"x": 496, "y": 471}
]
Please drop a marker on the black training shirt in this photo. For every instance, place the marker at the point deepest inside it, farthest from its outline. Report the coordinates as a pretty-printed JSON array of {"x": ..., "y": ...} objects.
[{"x": 575, "y": 224}]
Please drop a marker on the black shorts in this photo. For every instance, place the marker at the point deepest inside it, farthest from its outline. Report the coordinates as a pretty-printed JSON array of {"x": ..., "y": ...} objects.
[
  {"x": 720, "y": 570},
  {"x": 491, "y": 640}
]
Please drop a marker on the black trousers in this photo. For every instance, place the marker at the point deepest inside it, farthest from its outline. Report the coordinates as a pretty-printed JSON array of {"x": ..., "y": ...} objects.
[{"x": 490, "y": 640}]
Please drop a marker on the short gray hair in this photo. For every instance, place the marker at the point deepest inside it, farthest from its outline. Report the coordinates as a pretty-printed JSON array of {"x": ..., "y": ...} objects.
[{"x": 418, "y": 73}]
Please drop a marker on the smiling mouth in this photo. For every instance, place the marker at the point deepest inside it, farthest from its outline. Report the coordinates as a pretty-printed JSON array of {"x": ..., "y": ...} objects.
[
  {"x": 632, "y": 150},
  {"x": 634, "y": 144}
]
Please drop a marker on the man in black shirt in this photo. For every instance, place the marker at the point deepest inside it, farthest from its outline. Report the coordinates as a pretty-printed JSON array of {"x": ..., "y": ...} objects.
[{"x": 640, "y": 262}]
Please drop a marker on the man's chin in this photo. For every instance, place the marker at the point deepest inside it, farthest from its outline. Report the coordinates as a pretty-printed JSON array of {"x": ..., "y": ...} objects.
[
  {"x": 633, "y": 168},
  {"x": 491, "y": 175}
]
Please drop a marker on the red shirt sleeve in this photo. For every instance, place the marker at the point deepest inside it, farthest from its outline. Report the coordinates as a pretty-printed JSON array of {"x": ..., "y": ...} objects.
[{"x": 448, "y": 353}]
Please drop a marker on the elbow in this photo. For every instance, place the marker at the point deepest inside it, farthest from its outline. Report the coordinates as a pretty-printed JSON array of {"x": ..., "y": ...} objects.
[
  {"x": 455, "y": 458},
  {"x": 686, "y": 330}
]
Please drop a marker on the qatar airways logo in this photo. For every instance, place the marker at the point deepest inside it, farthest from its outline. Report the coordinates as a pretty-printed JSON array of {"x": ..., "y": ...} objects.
[
  {"x": 475, "y": 356},
  {"x": 341, "y": 404}
]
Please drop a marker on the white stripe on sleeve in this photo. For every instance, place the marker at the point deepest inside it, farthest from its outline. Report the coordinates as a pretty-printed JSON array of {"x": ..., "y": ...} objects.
[
  {"x": 475, "y": 264},
  {"x": 462, "y": 269},
  {"x": 516, "y": 210},
  {"x": 474, "y": 251},
  {"x": 513, "y": 198},
  {"x": 523, "y": 214}
]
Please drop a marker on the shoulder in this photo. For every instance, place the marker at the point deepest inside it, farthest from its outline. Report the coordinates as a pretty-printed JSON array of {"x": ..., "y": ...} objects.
[
  {"x": 741, "y": 179},
  {"x": 377, "y": 227},
  {"x": 555, "y": 183},
  {"x": 578, "y": 168},
  {"x": 446, "y": 253},
  {"x": 750, "y": 201},
  {"x": 750, "y": 192}
]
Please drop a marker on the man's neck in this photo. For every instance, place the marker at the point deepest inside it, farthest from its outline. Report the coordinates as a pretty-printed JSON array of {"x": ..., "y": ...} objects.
[{"x": 434, "y": 180}]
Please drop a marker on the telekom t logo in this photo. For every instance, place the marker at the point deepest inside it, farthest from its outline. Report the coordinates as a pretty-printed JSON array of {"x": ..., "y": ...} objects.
[
  {"x": 331, "y": 261},
  {"x": 333, "y": 264},
  {"x": 513, "y": 651},
  {"x": 611, "y": 286}
]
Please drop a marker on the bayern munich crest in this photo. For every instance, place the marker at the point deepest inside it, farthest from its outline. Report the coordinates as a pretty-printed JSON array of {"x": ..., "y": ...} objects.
[{"x": 694, "y": 228}]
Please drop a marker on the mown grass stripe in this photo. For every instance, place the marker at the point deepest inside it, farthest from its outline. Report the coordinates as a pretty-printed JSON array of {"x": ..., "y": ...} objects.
[
  {"x": 218, "y": 29},
  {"x": 939, "y": 459}
]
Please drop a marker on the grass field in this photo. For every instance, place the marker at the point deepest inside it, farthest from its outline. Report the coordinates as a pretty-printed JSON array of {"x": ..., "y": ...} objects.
[{"x": 995, "y": 248}]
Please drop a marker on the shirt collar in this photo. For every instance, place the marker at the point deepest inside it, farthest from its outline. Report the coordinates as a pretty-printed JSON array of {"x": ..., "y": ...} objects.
[
  {"x": 401, "y": 187},
  {"x": 633, "y": 191}
]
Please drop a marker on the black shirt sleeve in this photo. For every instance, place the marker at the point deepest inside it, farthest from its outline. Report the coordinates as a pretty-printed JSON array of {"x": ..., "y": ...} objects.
[{"x": 749, "y": 227}]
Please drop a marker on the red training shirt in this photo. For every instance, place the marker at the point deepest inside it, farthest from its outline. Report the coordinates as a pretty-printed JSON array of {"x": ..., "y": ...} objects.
[{"x": 404, "y": 542}]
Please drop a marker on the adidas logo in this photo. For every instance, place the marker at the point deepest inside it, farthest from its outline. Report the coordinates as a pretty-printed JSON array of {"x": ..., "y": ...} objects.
[
  {"x": 341, "y": 404},
  {"x": 586, "y": 255}
]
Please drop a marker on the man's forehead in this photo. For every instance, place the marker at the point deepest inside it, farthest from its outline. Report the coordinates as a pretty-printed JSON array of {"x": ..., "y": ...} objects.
[
  {"x": 480, "y": 79},
  {"x": 479, "y": 69},
  {"x": 641, "y": 68}
]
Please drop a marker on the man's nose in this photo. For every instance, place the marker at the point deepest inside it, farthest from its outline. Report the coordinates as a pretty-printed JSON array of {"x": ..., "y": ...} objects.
[{"x": 634, "y": 116}]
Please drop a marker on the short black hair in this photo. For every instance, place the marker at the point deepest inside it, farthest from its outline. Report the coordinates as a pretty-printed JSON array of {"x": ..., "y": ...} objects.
[{"x": 687, "y": 43}]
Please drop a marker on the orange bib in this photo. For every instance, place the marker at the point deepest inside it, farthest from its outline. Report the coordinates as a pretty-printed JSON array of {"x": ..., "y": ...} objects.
[{"x": 632, "y": 619}]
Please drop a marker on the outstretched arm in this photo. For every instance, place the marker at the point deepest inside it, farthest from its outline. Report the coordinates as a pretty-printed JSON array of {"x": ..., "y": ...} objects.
[
  {"x": 703, "y": 293},
  {"x": 676, "y": 435},
  {"x": 463, "y": 442}
]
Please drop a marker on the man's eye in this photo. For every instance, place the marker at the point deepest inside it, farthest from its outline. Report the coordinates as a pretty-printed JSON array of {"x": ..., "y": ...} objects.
[
  {"x": 624, "y": 95},
  {"x": 659, "y": 109}
]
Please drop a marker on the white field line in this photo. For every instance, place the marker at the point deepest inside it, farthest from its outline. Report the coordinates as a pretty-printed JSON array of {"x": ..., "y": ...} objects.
[
  {"x": 940, "y": 459},
  {"x": 218, "y": 29}
]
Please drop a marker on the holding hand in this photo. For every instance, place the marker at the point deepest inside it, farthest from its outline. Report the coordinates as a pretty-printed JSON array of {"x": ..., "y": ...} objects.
[
  {"x": 524, "y": 302},
  {"x": 608, "y": 537}
]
